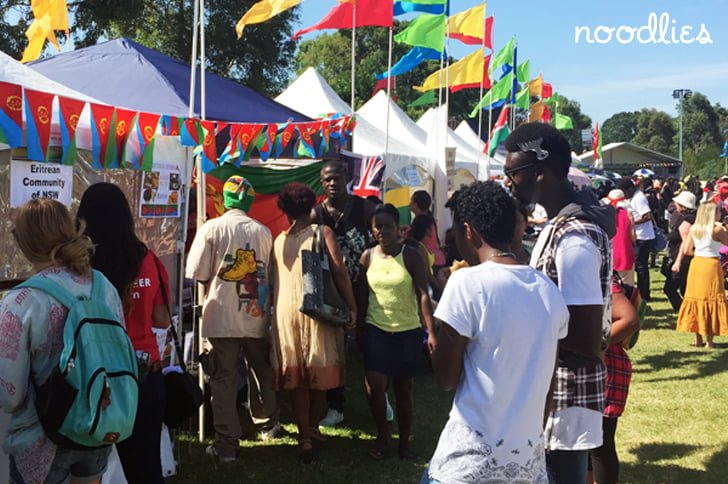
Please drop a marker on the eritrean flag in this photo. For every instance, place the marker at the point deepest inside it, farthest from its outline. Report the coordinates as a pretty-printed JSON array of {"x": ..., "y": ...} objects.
[
  {"x": 70, "y": 112},
  {"x": 267, "y": 183},
  {"x": 101, "y": 117},
  {"x": 146, "y": 130},
  {"x": 38, "y": 109},
  {"x": 11, "y": 114},
  {"x": 121, "y": 125}
]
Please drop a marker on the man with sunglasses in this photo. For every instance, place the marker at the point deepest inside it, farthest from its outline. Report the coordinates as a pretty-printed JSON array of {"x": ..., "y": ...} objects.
[{"x": 574, "y": 250}]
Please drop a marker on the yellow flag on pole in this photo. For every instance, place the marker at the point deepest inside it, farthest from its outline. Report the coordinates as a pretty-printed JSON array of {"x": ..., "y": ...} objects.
[
  {"x": 536, "y": 86},
  {"x": 468, "y": 70},
  {"x": 468, "y": 26},
  {"x": 50, "y": 15},
  {"x": 537, "y": 110},
  {"x": 263, "y": 11}
]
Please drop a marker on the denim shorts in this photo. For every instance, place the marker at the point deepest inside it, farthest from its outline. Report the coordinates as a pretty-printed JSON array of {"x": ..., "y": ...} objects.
[
  {"x": 398, "y": 355},
  {"x": 80, "y": 465}
]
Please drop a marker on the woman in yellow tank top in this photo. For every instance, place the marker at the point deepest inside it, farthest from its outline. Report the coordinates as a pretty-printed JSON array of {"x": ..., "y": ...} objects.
[{"x": 392, "y": 300}]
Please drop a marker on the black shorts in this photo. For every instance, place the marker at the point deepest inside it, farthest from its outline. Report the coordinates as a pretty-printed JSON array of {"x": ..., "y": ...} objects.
[{"x": 398, "y": 355}]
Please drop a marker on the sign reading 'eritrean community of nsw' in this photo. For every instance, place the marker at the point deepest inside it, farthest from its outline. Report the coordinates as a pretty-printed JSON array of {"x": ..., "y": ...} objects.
[{"x": 30, "y": 180}]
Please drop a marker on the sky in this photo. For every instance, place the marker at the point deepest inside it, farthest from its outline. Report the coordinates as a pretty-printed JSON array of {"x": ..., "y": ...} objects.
[{"x": 611, "y": 77}]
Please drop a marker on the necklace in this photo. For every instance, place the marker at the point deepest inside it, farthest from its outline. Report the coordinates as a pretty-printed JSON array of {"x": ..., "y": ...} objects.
[
  {"x": 342, "y": 213},
  {"x": 502, "y": 254}
]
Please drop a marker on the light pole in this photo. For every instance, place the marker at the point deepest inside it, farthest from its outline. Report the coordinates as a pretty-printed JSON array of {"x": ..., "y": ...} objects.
[{"x": 681, "y": 94}]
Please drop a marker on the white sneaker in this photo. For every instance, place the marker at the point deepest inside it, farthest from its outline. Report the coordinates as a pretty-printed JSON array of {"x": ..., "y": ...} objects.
[
  {"x": 390, "y": 410},
  {"x": 212, "y": 452},
  {"x": 271, "y": 433},
  {"x": 332, "y": 418}
]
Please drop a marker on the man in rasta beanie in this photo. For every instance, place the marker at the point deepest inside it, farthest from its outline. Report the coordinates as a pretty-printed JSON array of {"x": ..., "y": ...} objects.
[{"x": 231, "y": 255}]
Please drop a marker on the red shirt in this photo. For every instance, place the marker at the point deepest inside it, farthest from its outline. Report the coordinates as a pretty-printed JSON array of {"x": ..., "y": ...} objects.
[{"x": 146, "y": 293}]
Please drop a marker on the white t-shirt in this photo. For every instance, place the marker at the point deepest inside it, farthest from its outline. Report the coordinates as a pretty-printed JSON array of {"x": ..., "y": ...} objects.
[
  {"x": 640, "y": 206},
  {"x": 513, "y": 317},
  {"x": 578, "y": 262}
]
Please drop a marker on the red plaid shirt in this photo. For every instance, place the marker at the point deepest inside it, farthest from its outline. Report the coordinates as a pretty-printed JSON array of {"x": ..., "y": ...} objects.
[{"x": 619, "y": 374}]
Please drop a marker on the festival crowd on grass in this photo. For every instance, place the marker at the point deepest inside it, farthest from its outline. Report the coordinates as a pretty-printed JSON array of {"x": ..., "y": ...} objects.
[{"x": 539, "y": 385}]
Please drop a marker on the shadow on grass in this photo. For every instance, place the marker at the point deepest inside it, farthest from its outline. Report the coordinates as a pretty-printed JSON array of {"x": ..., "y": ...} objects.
[{"x": 648, "y": 469}]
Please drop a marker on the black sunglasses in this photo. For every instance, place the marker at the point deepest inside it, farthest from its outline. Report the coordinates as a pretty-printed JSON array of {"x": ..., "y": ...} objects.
[{"x": 513, "y": 171}]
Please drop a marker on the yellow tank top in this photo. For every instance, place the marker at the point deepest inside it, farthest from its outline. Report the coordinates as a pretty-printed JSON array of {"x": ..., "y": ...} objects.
[{"x": 392, "y": 299}]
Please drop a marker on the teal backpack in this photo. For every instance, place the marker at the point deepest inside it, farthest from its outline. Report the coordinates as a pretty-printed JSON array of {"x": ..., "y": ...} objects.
[{"x": 90, "y": 399}]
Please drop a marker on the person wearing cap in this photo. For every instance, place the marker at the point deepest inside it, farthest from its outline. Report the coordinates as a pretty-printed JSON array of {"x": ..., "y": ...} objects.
[
  {"x": 231, "y": 255},
  {"x": 623, "y": 241},
  {"x": 682, "y": 218},
  {"x": 645, "y": 228}
]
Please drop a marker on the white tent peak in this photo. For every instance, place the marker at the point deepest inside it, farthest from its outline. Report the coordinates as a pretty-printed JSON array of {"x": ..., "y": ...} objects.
[
  {"x": 471, "y": 137},
  {"x": 401, "y": 126},
  {"x": 312, "y": 96}
]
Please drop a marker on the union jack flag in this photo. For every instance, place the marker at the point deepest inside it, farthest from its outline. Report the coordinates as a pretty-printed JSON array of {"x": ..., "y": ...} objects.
[{"x": 368, "y": 176}]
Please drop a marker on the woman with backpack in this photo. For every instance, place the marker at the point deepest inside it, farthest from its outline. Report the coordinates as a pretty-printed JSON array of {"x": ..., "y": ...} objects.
[
  {"x": 31, "y": 341},
  {"x": 142, "y": 283}
]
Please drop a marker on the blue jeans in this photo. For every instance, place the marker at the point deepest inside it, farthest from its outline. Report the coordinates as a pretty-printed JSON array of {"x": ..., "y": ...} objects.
[
  {"x": 81, "y": 465},
  {"x": 426, "y": 479},
  {"x": 567, "y": 466}
]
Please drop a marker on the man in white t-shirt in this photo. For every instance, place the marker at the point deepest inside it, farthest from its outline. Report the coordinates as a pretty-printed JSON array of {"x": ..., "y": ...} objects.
[
  {"x": 574, "y": 251},
  {"x": 645, "y": 229},
  {"x": 499, "y": 355}
]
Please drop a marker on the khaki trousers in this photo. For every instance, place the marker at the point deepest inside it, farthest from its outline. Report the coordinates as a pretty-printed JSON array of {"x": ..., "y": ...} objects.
[{"x": 224, "y": 386}]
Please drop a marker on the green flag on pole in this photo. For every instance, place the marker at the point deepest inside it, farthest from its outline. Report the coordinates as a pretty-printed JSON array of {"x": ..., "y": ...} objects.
[
  {"x": 563, "y": 122},
  {"x": 427, "y": 98},
  {"x": 425, "y": 31},
  {"x": 523, "y": 71},
  {"x": 504, "y": 56},
  {"x": 501, "y": 91},
  {"x": 523, "y": 98}
]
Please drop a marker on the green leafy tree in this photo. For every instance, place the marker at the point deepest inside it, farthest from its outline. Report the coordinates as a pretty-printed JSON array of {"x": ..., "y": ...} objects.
[
  {"x": 260, "y": 60},
  {"x": 701, "y": 124},
  {"x": 620, "y": 127},
  {"x": 655, "y": 130}
]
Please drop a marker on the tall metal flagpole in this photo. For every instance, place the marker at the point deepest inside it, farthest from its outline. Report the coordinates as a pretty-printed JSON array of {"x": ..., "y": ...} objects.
[
  {"x": 480, "y": 111},
  {"x": 389, "y": 91},
  {"x": 353, "y": 56},
  {"x": 201, "y": 181}
]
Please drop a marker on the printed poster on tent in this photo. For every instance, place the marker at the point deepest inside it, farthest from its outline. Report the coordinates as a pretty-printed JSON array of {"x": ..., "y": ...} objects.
[
  {"x": 30, "y": 180},
  {"x": 160, "y": 191}
]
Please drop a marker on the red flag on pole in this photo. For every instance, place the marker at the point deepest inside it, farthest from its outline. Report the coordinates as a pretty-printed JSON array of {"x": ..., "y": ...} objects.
[
  {"x": 369, "y": 13},
  {"x": 488, "y": 41}
]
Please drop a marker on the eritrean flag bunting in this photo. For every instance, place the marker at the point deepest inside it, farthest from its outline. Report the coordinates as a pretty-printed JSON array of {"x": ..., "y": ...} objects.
[
  {"x": 11, "y": 114},
  {"x": 70, "y": 112},
  {"x": 247, "y": 137},
  {"x": 171, "y": 125},
  {"x": 38, "y": 109},
  {"x": 146, "y": 130},
  {"x": 122, "y": 125},
  {"x": 265, "y": 141},
  {"x": 325, "y": 137},
  {"x": 101, "y": 117},
  {"x": 284, "y": 134},
  {"x": 191, "y": 133},
  {"x": 208, "y": 146},
  {"x": 305, "y": 139}
]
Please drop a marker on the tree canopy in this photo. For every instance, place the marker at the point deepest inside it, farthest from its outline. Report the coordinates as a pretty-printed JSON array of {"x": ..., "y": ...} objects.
[{"x": 260, "y": 60}]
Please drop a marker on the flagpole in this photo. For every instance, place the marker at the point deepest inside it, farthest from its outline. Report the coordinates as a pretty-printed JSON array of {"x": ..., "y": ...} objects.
[
  {"x": 353, "y": 56},
  {"x": 482, "y": 88},
  {"x": 201, "y": 194},
  {"x": 389, "y": 90}
]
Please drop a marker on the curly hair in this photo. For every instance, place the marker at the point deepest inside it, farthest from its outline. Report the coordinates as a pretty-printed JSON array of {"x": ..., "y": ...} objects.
[
  {"x": 488, "y": 209},
  {"x": 296, "y": 199},
  {"x": 559, "y": 158}
]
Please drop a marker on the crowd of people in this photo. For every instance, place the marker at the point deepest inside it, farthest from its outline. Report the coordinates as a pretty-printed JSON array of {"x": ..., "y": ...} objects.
[{"x": 539, "y": 385}]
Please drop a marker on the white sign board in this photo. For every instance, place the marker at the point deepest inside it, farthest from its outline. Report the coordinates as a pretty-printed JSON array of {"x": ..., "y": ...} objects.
[
  {"x": 160, "y": 191},
  {"x": 31, "y": 179}
]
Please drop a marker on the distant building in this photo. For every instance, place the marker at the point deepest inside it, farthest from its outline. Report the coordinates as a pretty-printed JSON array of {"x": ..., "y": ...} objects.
[{"x": 626, "y": 158}]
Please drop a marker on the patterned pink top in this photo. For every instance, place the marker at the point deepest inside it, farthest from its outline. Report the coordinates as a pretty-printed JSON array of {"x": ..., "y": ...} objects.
[{"x": 622, "y": 248}]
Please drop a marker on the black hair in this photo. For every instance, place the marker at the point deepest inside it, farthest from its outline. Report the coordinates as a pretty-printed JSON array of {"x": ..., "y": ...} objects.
[
  {"x": 387, "y": 209},
  {"x": 375, "y": 199},
  {"x": 296, "y": 199},
  {"x": 625, "y": 184},
  {"x": 337, "y": 166},
  {"x": 488, "y": 209},
  {"x": 110, "y": 225},
  {"x": 419, "y": 226},
  {"x": 558, "y": 147},
  {"x": 422, "y": 199}
]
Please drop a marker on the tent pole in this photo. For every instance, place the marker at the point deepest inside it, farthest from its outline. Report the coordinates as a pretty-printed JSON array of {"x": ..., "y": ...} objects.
[
  {"x": 201, "y": 201},
  {"x": 389, "y": 89},
  {"x": 353, "y": 57}
]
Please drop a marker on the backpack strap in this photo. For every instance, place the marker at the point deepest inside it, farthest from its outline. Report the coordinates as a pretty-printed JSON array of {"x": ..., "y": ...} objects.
[{"x": 51, "y": 288}]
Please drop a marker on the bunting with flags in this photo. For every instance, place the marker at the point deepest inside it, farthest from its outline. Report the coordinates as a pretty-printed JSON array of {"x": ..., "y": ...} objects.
[
  {"x": 284, "y": 134},
  {"x": 100, "y": 124},
  {"x": 369, "y": 13},
  {"x": 38, "y": 113},
  {"x": 265, "y": 141},
  {"x": 146, "y": 126},
  {"x": 11, "y": 114},
  {"x": 305, "y": 138},
  {"x": 122, "y": 124},
  {"x": 171, "y": 125},
  {"x": 70, "y": 113}
]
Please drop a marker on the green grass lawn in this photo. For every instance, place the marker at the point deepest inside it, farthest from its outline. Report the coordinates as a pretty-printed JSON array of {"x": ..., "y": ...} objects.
[{"x": 671, "y": 432}]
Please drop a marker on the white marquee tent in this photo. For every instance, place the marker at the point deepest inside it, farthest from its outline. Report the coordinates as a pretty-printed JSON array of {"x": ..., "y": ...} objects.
[{"x": 312, "y": 96}]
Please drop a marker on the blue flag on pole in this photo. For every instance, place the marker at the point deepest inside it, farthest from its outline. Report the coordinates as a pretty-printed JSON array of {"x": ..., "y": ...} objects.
[{"x": 410, "y": 60}]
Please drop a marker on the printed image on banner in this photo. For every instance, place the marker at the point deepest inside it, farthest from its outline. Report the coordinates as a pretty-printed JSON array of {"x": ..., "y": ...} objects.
[
  {"x": 30, "y": 180},
  {"x": 161, "y": 191}
]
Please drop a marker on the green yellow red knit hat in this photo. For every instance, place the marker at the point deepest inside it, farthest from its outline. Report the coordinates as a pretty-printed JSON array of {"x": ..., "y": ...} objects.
[{"x": 238, "y": 193}]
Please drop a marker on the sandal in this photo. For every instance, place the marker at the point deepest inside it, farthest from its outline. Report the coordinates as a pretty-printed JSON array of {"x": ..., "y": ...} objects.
[{"x": 305, "y": 451}]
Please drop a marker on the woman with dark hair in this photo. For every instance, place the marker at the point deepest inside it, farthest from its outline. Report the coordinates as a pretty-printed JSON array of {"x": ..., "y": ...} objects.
[
  {"x": 423, "y": 228},
  {"x": 307, "y": 356},
  {"x": 421, "y": 204},
  {"x": 389, "y": 317},
  {"x": 139, "y": 277},
  {"x": 31, "y": 342}
]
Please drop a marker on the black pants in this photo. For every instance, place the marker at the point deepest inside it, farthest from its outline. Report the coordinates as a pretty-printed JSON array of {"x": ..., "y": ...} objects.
[
  {"x": 675, "y": 282},
  {"x": 336, "y": 399},
  {"x": 140, "y": 454},
  {"x": 642, "y": 267},
  {"x": 604, "y": 460}
]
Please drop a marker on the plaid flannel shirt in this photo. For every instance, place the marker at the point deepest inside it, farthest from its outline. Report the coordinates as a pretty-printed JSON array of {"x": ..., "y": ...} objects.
[
  {"x": 583, "y": 386},
  {"x": 619, "y": 374}
]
